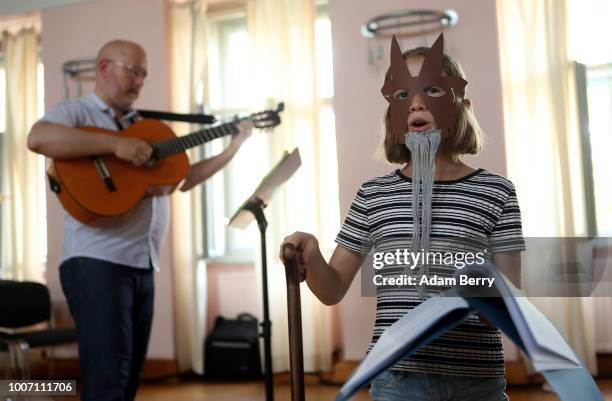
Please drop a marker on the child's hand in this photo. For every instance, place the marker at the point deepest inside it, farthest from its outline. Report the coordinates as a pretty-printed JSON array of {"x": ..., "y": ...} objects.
[
  {"x": 328, "y": 281},
  {"x": 307, "y": 248},
  {"x": 306, "y": 245}
]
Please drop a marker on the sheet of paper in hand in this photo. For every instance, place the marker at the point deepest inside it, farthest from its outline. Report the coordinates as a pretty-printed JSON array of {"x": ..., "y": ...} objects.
[
  {"x": 531, "y": 330},
  {"x": 545, "y": 346},
  {"x": 515, "y": 315},
  {"x": 415, "y": 329}
]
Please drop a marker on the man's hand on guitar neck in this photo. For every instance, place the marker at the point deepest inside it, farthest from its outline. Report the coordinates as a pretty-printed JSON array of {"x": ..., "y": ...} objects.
[
  {"x": 133, "y": 150},
  {"x": 245, "y": 128},
  {"x": 206, "y": 168}
]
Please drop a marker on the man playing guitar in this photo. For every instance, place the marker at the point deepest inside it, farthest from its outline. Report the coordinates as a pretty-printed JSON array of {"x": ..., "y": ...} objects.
[{"x": 106, "y": 266}]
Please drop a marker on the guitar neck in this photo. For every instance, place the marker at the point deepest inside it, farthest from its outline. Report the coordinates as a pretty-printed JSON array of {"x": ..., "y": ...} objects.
[{"x": 180, "y": 144}]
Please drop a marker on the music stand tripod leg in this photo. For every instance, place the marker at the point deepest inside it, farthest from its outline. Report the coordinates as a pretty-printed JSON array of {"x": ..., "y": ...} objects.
[{"x": 256, "y": 206}]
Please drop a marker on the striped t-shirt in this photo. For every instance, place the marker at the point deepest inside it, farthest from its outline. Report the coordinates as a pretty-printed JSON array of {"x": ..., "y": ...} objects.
[{"x": 481, "y": 208}]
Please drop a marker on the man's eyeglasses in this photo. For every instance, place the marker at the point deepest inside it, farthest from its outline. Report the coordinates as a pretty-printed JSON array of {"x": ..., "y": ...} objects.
[{"x": 133, "y": 70}]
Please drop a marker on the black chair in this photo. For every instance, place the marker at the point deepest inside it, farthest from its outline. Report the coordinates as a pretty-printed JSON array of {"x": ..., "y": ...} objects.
[{"x": 24, "y": 304}]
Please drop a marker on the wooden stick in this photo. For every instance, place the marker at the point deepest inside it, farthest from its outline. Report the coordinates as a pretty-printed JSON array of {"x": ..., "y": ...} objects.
[{"x": 294, "y": 310}]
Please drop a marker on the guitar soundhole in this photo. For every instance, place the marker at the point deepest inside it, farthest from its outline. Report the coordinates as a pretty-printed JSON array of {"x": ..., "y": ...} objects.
[
  {"x": 150, "y": 163},
  {"x": 153, "y": 159}
]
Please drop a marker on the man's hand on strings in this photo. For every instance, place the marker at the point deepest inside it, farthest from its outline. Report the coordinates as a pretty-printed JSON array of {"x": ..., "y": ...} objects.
[{"x": 133, "y": 150}]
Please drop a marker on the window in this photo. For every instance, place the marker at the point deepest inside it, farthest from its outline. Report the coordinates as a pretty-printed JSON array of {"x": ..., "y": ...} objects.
[
  {"x": 588, "y": 22},
  {"x": 599, "y": 99},
  {"x": 229, "y": 92},
  {"x": 327, "y": 118}
]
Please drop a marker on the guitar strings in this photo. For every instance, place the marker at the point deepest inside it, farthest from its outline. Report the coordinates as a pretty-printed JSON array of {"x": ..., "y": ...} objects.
[{"x": 173, "y": 146}]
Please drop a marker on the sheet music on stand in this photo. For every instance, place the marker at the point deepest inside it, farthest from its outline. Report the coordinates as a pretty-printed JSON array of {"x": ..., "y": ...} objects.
[
  {"x": 515, "y": 315},
  {"x": 280, "y": 173}
]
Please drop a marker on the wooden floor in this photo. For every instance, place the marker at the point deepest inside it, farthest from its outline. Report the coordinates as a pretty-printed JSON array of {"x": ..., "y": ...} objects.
[
  {"x": 254, "y": 391},
  {"x": 192, "y": 390}
]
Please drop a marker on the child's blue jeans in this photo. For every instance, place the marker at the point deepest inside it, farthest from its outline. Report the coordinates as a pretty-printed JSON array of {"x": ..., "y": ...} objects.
[{"x": 393, "y": 385}]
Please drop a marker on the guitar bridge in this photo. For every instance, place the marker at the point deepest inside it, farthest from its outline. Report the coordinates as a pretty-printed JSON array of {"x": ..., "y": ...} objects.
[
  {"x": 54, "y": 185},
  {"x": 104, "y": 174}
]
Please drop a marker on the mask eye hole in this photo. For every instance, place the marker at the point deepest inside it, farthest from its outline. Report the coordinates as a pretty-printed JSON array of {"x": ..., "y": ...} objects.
[
  {"x": 401, "y": 94},
  {"x": 434, "y": 91}
]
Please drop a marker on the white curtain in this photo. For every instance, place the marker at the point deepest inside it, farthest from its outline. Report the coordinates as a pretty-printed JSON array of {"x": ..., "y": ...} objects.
[
  {"x": 187, "y": 67},
  {"x": 542, "y": 143},
  {"x": 22, "y": 212},
  {"x": 284, "y": 68}
]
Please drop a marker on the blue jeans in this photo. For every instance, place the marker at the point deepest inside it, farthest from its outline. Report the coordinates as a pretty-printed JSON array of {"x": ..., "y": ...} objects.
[
  {"x": 112, "y": 306},
  {"x": 394, "y": 385}
]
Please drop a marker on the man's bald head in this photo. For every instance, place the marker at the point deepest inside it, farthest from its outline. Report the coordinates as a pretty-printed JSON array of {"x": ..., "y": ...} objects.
[
  {"x": 121, "y": 67},
  {"x": 119, "y": 48}
]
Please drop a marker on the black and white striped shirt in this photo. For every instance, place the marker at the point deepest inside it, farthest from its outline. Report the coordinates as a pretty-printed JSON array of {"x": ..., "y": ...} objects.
[{"x": 482, "y": 208}]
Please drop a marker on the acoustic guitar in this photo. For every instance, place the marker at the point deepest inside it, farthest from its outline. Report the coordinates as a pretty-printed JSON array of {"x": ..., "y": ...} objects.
[{"x": 106, "y": 186}]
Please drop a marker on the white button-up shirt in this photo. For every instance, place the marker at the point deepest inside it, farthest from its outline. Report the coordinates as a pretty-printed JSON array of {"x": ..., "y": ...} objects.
[{"x": 134, "y": 239}]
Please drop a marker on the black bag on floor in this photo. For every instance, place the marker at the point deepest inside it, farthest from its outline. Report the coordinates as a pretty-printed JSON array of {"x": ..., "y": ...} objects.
[{"x": 231, "y": 351}]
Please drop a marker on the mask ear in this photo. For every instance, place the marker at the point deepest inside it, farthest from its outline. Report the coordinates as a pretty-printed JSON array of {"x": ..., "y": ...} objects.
[
  {"x": 432, "y": 66},
  {"x": 398, "y": 64},
  {"x": 398, "y": 68}
]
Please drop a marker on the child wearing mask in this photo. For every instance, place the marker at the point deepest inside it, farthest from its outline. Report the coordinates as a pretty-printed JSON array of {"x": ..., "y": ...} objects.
[{"x": 429, "y": 125}]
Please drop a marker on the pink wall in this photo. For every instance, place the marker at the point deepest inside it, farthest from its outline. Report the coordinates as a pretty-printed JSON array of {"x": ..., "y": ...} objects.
[
  {"x": 359, "y": 108},
  {"x": 231, "y": 290},
  {"x": 77, "y": 31}
]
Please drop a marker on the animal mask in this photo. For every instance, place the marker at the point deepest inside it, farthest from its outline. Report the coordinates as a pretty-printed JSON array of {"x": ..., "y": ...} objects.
[{"x": 402, "y": 86}]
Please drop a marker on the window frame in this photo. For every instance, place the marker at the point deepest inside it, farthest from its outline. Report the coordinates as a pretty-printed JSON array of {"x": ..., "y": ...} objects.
[
  {"x": 216, "y": 236},
  {"x": 582, "y": 71}
]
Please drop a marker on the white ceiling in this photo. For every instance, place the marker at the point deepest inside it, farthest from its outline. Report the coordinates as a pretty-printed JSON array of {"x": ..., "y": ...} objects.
[{"x": 10, "y": 7}]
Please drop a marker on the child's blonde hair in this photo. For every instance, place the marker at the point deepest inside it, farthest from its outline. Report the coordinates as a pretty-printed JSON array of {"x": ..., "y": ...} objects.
[{"x": 468, "y": 137}]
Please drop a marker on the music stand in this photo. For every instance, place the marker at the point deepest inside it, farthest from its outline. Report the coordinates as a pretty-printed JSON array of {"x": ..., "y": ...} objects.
[{"x": 253, "y": 208}]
